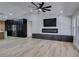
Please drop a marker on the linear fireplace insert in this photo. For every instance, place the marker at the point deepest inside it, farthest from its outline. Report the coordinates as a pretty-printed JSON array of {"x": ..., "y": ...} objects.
[{"x": 50, "y": 30}]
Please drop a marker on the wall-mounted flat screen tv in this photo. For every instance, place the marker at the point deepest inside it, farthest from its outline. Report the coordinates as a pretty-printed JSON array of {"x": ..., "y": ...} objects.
[{"x": 49, "y": 22}]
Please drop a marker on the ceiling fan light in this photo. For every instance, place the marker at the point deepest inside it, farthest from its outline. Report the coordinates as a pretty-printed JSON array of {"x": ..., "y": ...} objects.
[
  {"x": 61, "y": 11},
  {"x": 39, "y": 10},
  {"x": 10, "y": 14}
]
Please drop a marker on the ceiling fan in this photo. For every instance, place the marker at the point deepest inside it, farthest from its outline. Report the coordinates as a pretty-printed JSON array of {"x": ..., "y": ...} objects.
[{"x": 40, "y": 7}]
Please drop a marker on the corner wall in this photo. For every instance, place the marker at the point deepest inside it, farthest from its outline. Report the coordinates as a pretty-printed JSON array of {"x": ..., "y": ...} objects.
[{"x": 75, "y": 28}]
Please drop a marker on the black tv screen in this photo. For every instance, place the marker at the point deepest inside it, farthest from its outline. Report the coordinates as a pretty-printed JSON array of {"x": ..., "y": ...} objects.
[{"x": 49, "y": 22}]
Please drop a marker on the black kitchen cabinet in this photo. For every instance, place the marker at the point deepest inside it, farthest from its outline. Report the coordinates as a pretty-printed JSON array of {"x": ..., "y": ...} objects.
[{"x": 17, "y": 28}]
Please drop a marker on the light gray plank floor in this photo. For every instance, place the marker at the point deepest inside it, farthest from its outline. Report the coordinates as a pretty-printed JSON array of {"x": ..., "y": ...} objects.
[{"x": 30, "y": 47}]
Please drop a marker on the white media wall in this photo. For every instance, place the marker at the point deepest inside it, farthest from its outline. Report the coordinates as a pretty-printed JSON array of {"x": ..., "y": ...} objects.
[
  {"x": 63, "y": 24},
  {"x": 35, "y": 23}
]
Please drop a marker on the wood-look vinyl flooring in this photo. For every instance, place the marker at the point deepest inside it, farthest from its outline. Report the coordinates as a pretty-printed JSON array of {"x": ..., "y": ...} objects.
[{"x": 30, "y": 47}]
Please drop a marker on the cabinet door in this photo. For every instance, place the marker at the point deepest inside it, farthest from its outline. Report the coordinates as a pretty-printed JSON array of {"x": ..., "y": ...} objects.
[{"x": 2, "y": 26}]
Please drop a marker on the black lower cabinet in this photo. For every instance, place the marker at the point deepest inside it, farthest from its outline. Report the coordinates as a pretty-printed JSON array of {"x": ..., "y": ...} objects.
[
  {"x": 53, "y": 37},
  {"x": 67, "y": 38},
  {"x": 21, "y": 34},
  {"x": 16, "y": 28},
  {"x": 9, "y": 33}
]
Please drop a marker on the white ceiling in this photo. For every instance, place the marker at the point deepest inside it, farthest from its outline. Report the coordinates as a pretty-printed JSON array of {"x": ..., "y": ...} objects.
[{"x": 17, "y": 9}]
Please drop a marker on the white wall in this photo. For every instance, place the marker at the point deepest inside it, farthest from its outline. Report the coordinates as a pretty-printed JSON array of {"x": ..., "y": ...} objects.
[{"x": 65, "y": 25}]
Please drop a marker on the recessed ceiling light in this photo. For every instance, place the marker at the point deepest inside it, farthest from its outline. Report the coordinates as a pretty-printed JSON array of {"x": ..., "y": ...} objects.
[
  {"x": 10, "y": 13},
  {"x": 5, "y": 16},
  {"x": 61, "y": 11},
  {"x": 31, "y": 10}
]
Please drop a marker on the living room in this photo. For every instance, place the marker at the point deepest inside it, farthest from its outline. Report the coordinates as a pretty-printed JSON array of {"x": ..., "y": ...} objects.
[{"x": 37, "y": 25}]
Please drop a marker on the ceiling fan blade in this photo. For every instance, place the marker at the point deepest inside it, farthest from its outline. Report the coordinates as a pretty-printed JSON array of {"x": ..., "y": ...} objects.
[
  {"x": 43, "y": 10},
  {"x": 47, "y": 7},
  {"x": 34, "y": 4},
  {"x": 41, "y": 5}
]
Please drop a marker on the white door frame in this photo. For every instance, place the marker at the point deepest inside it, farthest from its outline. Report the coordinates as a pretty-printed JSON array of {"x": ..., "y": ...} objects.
[{"x": 29, "y": 28}]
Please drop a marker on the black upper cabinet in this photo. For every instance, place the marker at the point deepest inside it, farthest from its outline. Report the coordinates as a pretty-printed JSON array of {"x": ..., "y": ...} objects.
[{"x": 17, "y": 28}]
